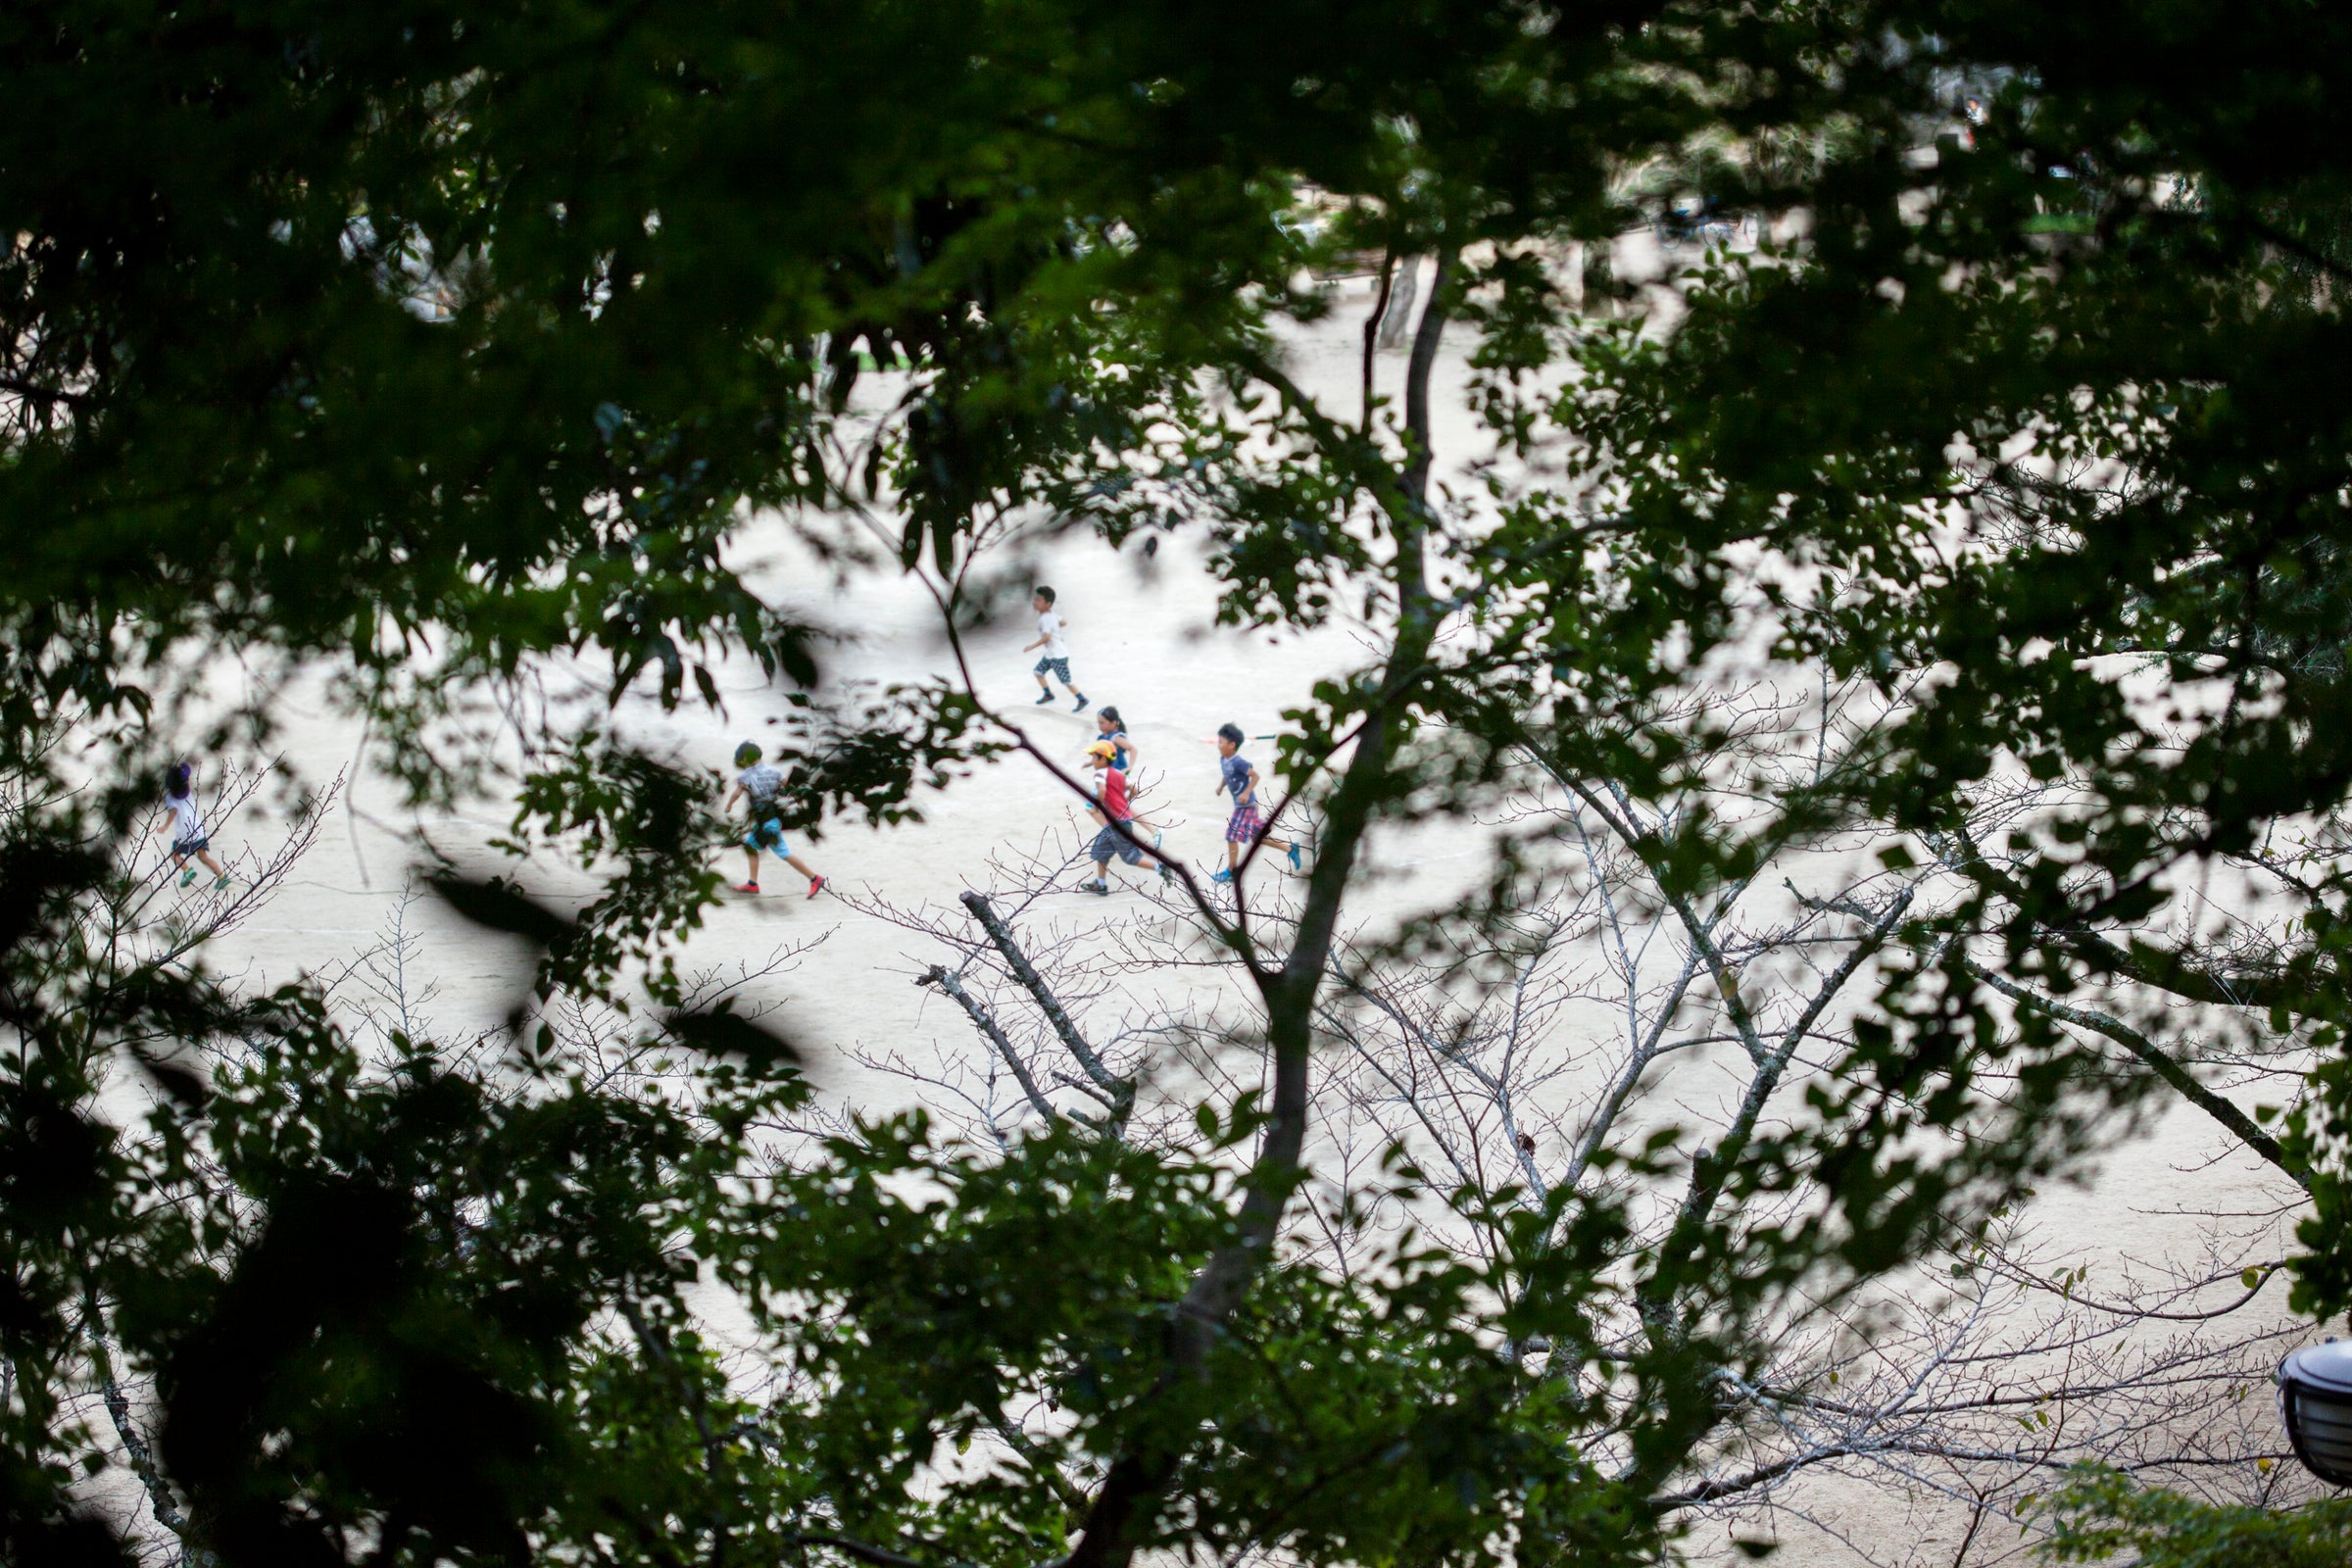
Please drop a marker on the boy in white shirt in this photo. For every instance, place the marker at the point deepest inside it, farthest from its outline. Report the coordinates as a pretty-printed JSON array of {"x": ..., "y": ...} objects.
[{"x": 1057, "y": 657}]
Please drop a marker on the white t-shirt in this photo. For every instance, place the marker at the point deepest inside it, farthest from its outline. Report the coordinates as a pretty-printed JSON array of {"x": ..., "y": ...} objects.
[
  {"x": 1049, "y": 626},
  {"x": 186, "y": 826}
]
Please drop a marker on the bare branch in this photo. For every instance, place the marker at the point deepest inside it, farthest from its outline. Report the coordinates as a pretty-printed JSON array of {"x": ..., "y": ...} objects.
[
  {"x": 2240, "y": 1125},
  {"x": 986, "y": 1022},
  {"x": 1122, "y": 1091}
]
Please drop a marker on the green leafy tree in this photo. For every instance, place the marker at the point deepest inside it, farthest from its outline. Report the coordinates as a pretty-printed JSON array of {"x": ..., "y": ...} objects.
[
  {"x": 434, "y": 344},
  {"x": 2102, "y": 1516}
]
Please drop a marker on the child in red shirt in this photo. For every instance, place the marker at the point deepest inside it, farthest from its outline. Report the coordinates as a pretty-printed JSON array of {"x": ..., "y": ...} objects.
[{"x": 1113, "y": 806}]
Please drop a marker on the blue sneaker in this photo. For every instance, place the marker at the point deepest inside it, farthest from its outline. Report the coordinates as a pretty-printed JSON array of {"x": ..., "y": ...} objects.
[
  {"x": 1298, "y": 861},
  {"x": 1222, "y": 877}
]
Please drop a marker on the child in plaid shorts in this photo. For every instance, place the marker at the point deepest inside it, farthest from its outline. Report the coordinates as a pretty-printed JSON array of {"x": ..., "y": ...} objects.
[
  {"x": 1056, "y": 660},
  {"x": 1248, "y": 824}
]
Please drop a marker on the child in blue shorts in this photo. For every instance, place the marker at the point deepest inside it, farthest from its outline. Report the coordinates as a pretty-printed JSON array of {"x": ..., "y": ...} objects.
[
  {"x": 1112, "y": 808},
  {"x": 757, "y": 783}
]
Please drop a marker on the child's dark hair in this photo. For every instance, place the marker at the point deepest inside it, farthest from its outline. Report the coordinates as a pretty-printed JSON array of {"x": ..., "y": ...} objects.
[
  {"x": 1045, "y": 592},
  {"x": 1111, "y": 714},
  {"x": 746, "y": 755},
  {"x": 1229, "y": 733},
  {"x": 178, "y": 780}
]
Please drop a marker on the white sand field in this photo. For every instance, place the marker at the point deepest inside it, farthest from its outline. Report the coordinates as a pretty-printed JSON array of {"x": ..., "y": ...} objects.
[{"x": 1142, "y": 637}]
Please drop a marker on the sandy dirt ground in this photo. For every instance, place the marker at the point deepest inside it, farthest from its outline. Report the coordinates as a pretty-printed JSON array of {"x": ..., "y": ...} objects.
[{"x": 1143, "y": 636}]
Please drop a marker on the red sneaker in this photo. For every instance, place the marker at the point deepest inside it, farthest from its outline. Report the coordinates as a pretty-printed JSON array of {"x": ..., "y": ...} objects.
[
  {"x": 747, "y": 887},
  {"x": 816, "y": 885}
]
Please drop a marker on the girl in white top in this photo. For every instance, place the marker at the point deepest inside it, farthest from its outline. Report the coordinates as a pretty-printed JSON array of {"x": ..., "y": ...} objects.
[{"x": 189, "y": 842}]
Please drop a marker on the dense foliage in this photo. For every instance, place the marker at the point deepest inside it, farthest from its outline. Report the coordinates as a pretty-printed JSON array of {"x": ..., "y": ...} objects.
[
  {"x": 2102, "y": 1516},
  {"x": 433, "y": 341}
]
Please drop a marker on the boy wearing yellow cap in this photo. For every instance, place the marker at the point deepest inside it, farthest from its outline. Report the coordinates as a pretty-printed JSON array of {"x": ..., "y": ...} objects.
[{"x": 1112, "y": 808}]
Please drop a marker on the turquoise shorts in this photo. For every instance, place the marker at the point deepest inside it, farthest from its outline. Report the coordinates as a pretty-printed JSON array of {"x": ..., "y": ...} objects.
[{"x": 769, "y": 835}]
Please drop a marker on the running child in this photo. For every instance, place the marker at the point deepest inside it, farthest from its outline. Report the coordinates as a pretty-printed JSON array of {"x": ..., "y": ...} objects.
[
  {"x": 1248, "y": 824},
  {"x": 189, "y": 840},
  {"x": 1109, "y": 726},
  {"x": 757, "y": 783},
  {"x": 1111, "y": 806},
  {"x": 1056, "y": 655},
  {"x": 186, "y": 826}
]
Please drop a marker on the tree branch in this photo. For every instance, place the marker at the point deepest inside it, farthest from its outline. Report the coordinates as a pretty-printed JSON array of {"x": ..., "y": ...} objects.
[
  {"x": 1711, "y": 1172},
  {"x": 1131, "y": 1491},
  {"x": 1380, "y": 308},
  {"x": 2168, "y": 1068},
  {"x": 1121, "y": 1090},
  {"x": 985, "y": 1021},
  {"x": 142, "y": 1456},
  {"x": 878, "y": 1557}
]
